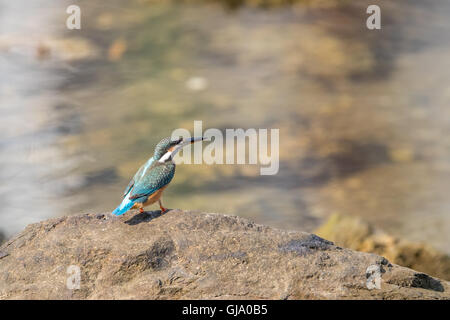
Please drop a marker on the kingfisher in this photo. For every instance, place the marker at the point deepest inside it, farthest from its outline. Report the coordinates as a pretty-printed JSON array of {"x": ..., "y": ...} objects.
[{"x": 153, "y": 177}]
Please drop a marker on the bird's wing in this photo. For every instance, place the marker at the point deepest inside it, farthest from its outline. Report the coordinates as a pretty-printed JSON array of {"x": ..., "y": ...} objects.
[
  {"x": 137, "y": 176},
  {"x": 155, "y": 178},
  {"x": 133, "y": 181}
]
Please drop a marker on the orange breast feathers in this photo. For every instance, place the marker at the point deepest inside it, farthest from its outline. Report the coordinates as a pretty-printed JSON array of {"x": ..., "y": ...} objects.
[{"x": 155, "y": 196}]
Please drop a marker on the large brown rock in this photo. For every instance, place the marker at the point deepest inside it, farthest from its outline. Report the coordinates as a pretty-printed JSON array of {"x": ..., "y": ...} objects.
[
  {"x": 195, "y": 256},
  {"x": 357, "y": 234}
]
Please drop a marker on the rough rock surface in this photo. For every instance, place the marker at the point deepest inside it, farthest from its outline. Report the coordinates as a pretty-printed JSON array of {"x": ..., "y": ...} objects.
[
  {"x": 188, "y": 255},
  {"x": 357, "y": 234}
]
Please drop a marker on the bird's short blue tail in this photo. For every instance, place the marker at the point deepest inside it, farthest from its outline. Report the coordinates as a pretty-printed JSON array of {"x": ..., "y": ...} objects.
[{"x": 123, "y": 207}]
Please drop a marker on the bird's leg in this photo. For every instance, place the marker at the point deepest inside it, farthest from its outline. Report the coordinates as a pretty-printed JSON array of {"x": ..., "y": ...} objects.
[
  {"x": 141, "y": 210},
  {"x": 163, "y": 210}
]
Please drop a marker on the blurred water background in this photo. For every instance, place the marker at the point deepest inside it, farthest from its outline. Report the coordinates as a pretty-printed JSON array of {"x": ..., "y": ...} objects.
[{"x": 364, "y": 116}]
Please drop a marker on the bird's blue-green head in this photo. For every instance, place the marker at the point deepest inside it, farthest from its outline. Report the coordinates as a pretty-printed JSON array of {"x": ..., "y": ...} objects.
[{"x": 167, "y": 148}]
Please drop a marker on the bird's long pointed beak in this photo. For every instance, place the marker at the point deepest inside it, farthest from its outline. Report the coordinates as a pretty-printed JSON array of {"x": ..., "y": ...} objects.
[
  {"x": 192, "y": 140},
  {"x": 185, "y": 142},
  {"x": 188, "y": 141}
]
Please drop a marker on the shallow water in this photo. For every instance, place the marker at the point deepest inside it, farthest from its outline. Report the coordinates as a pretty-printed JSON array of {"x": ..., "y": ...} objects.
[{"x": 363, "y": 115}]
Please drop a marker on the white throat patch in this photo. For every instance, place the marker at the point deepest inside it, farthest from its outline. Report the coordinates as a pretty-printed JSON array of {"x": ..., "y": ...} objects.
[
  {"x": 171, "y": 154},
  {"x": 165, "y": 157}
]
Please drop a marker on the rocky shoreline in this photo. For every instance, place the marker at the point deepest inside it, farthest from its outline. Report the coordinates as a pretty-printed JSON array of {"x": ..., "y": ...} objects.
[
  {"x": 193, "y": 255},
  {"x": 358, "y": 234}
]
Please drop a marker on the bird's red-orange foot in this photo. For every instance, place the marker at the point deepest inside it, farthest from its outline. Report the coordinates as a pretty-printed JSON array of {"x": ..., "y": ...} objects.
[
  {"x": 163, "y": 210},
  {"x": 141, "y": 210}
]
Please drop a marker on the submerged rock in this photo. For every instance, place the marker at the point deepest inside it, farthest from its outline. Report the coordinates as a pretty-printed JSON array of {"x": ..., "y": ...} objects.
[{"x": 188, "y": 255}]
